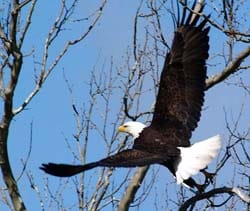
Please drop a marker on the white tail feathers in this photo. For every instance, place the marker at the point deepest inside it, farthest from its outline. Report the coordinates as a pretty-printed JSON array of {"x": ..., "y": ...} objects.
[{"x": 196, "y": 157}]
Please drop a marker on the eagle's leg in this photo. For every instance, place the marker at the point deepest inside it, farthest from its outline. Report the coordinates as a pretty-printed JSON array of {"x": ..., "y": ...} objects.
[
  {"x": 191, "y": 183},
  {"x": 200, "y": 188},
  {"x": 209, "y": 177}
]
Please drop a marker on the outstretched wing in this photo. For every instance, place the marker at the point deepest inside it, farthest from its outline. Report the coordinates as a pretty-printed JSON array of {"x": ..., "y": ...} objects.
[
  {"x": 132, "y": 158},
  {"x": 126, "y": 158},
  {"x": 181, "y": 91}
]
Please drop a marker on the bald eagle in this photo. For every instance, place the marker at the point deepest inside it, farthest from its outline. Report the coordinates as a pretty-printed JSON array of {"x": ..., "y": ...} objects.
[{"x": 176, "y": 114}]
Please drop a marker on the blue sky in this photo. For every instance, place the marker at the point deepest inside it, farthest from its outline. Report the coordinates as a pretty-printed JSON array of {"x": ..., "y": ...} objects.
[{"x": 51, "y": 113}]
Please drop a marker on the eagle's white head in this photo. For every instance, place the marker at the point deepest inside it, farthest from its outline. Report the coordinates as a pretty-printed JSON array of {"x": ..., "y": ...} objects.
[{"x": 132, "y": 128}]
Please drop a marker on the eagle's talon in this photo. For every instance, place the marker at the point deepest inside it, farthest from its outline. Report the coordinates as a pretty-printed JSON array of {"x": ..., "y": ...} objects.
[{"x": 209, "y": 177}]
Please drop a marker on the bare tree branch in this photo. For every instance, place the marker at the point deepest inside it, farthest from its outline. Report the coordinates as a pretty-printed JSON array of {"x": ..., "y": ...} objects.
[
  {"x": 45, "y": 72},
  {"x": 212, "y": 193},
  {"x": 229, "y": 70},
  {"x": 28, "y": 20},
  {"x": 8, "y": 93},
  {"x": 135, "y": 183}
]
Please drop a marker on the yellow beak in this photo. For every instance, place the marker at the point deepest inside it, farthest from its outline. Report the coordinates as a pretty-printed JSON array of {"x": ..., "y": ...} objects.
[{"x": 121, "y": 129}]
